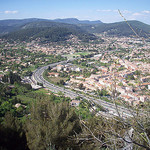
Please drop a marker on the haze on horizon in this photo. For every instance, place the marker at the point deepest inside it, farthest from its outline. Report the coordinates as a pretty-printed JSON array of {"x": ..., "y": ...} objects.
[{"x": 105, "y": 11}]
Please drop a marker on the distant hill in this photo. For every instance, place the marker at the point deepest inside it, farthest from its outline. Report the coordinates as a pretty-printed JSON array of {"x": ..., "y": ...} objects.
[
  {"x": 18, "y": 22},
  {"x": 10, "y": 25},
  {"x": 76, "y": 21},
  {"x": 60, "y": 29},
  {"x": 48, "y": 31},
  {"x": 120, "y": 28}
]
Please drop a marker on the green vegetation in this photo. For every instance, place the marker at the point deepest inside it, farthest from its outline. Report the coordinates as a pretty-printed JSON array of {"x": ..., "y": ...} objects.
[
  {"x": 137, "y": 72},
  {"x": 83, "y": 110},
  {"x": 103, "y": 92},
  {"x": 43, "y": 120},
  {"x": 49, "y": 33},
  {"x": 121, "y": 68},
  {"x": 82, "y": 53},
  {"x": 60, "y": 80},
  {"x": 130, "y": 77},
  {"x": 11, "y": 78},
  {"x": 40, "y": 26},
  {"x": 56, "y": 122},
  {"x": 120, "y": 28},
  {"x": 120, "y": 84},
  {"x": 24, "y": 61},
  {"x": 103, "y": 64}
]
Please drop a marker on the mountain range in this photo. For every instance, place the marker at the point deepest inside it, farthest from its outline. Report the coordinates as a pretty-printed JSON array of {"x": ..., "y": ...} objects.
[
  {"x": 120, "y": 28},
  {"x": 10, "y": 25},
  {"x": 60, "y": 29},
  {"x": 76, "y": 21}
]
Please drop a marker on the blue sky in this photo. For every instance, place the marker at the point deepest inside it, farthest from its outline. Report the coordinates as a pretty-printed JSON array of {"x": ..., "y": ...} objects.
[{"x": 104, "y": 10}]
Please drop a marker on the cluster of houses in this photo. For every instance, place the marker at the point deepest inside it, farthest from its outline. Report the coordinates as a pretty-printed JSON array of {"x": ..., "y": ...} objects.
[
  {"x": 66, "y": 67},
  {"x": 110, "y": 80},
  {"x": 107, "y": 77},
  {"x": 74, "y": 44}
]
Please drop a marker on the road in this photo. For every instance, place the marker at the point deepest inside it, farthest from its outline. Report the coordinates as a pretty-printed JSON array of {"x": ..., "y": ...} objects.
[{"x": 38, "y": 77}]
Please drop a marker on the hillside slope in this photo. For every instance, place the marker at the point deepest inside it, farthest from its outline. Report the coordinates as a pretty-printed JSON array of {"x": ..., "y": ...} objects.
[
  {"x": 48, "y": 31},
  {"x": 120, "y": 28},
  {"x": 76, "y": 21},
  {"x": 10, "y": 25}
]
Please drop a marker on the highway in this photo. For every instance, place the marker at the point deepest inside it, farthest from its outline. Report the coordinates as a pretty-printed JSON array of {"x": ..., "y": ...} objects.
[{"x": 38, "y": 77}]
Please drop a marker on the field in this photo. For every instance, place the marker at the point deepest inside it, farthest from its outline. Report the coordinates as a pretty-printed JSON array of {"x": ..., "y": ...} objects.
[
  {"x": 82, "y": 53},
  {"x": 43, "y": 91},
  {"x": 56, "y": 79},
  {"x": 77, "y": 54}
]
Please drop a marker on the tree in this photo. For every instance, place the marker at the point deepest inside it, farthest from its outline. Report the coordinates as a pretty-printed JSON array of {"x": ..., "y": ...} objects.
[
  {"x": 5, "y": 78},
  {"x": 40, "y": 84},
  {"x": 49, "y": 68},
  {"x": 28, "y": 73},
  {"x": 12, "y": 134},
  {"x": 62, "y": 82},
  {"x": 51, "y": 124},
  {"x": 103, "y": 92},
  {"x": 130, "y": 77},
  {"x": 137, "y": 72},
  {"x": 118, "y": 132},
  {"x": 11, "y": 78},
  {"x": 81, "y": 86}
]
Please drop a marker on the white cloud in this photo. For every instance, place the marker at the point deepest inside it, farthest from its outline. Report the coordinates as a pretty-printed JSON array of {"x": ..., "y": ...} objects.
[
  {"x": 142, "y": 13},
  {"x": 10, "y": 12},
  {"x": 112, "y": 15},
  {"x": 103, "y": 10},
  {"x": 146, "y": 11},
  {"x": 137, "y": 14},
  {"x": 141, "y": 16},
  {"x": 115, "y": 10},
  {"x": 126, "y": 11}
]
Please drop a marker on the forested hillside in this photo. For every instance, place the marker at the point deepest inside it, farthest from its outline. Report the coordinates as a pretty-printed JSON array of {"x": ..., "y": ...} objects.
[
  {"x": 48, "y": 31},
  {"x": 48, "y": 122},
  {"x": 59, "y": 29},
  {"x": 120, "y": 28}
]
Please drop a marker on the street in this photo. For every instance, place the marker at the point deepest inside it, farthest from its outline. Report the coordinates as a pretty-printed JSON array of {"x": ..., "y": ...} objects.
[{"x": 112, "y": 109}]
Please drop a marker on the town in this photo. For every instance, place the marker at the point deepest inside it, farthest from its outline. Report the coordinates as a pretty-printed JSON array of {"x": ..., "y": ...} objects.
[
  {"x": 113, "y": 64},
  {"x": 74, "y": 75}
]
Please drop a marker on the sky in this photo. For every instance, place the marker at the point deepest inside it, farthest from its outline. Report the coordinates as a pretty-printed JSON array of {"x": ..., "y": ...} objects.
[{"x": 104, "y": 10}]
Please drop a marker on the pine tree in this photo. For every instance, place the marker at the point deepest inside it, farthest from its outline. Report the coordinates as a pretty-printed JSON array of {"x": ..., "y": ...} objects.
[
  {"x": 12, "y": 134},
  {"x": 51, "y": 124}
]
